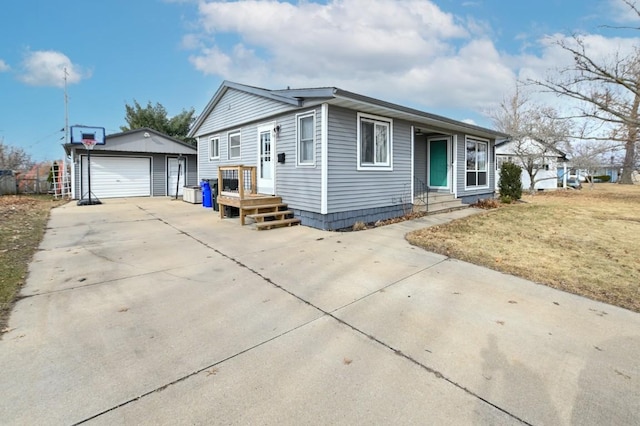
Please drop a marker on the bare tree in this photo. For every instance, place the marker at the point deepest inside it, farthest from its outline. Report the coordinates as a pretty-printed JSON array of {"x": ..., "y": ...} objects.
[
  {"x": 13, "y": 158},
  {"x": 608, "y": 91},
  {"x": 536, "y": 132}
]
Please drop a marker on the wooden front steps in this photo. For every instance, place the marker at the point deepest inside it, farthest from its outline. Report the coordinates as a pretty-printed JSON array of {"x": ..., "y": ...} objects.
[
  {"x": 276, "y": 223},
  {"x": 266, "y": 211},
  {"x": 260, "y": 217},
  {"x": 272, "y": 216},
  {"x": 238, "y": 189},
  {"x": 437, "y": 202}
]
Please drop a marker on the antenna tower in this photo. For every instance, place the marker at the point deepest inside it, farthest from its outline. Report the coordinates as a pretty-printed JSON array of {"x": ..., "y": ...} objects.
[{"x": 65, "y": 174}]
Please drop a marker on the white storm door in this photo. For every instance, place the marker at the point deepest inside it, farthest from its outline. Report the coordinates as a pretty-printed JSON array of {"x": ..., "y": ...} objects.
[
  {"x": 173, "y": 178},
  {"x": 266, "y": 164}
]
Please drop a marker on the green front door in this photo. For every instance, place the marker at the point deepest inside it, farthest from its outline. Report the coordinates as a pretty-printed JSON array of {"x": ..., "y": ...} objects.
[{"x": 438, "y": 163}]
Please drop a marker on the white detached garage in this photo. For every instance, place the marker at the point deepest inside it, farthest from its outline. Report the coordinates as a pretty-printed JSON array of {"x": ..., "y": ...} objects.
[
  {"x": 136, "y": 163},
  {"x": 117, "y": 176}
]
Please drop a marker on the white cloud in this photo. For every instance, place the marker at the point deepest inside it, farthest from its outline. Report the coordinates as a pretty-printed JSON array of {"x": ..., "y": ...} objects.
[
  {"x": 191, "y": 42},
  {"x": 379, "y": 48},
  {"x": 4, "y": 66},
  {"x": 622, "y": 13},
  {"x": 46, "y": 68},
  {"x": 406, "y": 51},
  {"x": 553, "y": 58},
  {"x": 340, "y": 34}
]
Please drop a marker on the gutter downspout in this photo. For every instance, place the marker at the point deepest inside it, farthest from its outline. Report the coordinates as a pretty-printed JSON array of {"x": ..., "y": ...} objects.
[
  {"x": 454, "y": 163},
  {"x": 413, "y": 162},
  {"x": 324, "y": 155}
]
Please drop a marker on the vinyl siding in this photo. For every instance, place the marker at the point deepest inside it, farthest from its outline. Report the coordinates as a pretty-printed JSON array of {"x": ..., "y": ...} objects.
[
  {"x": 242, "y": 111},
  {"x": 299, "y": 186},
  {"x": 159, "y": 175},
  {"x": 352, "y": 189},
  {"x": 420, "y": 162},
  {"x": 236, "y": 108},
  {"x": 208, "y": 169},
  {"x": 191, "y": 176}
]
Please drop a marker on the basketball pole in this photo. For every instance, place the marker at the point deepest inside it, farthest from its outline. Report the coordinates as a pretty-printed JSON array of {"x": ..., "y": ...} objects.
[
  {"x": 89, "y": 137},
  {"x": 89, "y": 144},
  {"x": 89, "y": 174}
]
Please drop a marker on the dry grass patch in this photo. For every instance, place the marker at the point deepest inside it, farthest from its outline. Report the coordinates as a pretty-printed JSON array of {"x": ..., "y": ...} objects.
[
  {"x": 22, "y": 224},
  {"x": 585, "y": 242}
]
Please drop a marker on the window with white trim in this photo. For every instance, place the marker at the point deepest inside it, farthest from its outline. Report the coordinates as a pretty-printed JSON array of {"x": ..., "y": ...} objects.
[
  {"x": 234, "y": 145},
  {"x": 477, "y": 163},
  {"x": 501, "y": 159},
  {"x": 214, "y": 148},
  {"x": 306, "y": 124},
  {"x": 375, "y": 136}
]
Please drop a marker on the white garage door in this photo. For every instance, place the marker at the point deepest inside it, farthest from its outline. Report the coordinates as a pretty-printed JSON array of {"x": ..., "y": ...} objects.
[{"x": 117, "y": 177}]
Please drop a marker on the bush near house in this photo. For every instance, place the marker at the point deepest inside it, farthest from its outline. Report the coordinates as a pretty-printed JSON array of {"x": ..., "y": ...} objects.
[{"x": 510, "y": 183}]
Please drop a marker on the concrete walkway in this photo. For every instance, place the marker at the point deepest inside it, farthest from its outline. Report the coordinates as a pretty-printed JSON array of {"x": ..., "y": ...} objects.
[{"x": 154, "y": 311}]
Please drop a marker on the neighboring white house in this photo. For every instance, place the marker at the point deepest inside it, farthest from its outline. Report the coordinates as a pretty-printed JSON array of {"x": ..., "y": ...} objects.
[{"x": 547, "y": 161}]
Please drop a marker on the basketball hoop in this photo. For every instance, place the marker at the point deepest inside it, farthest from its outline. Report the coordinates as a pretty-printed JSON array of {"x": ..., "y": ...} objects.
[{"x": 89, "y": 143}]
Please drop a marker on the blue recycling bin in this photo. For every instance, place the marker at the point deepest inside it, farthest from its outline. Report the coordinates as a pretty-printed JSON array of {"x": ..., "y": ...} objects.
[{"x": 206, "y": 193}]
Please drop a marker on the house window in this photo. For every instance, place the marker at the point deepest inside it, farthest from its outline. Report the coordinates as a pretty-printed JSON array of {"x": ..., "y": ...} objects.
[
  {"x": 501, "y": 159},
  {"x": 477, "y": 161},
  {"x": 375, "y": 135},
  {"x": 214, "y": 148},
  {"x": 234, "y": 145},
  {"x": 306, "y": 139}
]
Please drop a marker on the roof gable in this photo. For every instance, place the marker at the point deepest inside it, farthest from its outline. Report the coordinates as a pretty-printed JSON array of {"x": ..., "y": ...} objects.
[
  {"x": 228, "y": 85},
  {"x": 298, "y": 98},
  {"x": 143, "y": 140}
]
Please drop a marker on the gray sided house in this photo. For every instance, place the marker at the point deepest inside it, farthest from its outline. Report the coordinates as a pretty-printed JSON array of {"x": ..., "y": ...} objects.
[
  {"x": 336, "y": 157},
  {"x": 137, "y": 163}
]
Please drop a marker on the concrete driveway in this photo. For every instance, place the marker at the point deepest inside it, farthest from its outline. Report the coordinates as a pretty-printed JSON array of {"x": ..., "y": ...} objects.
[{"x": 153, "y": 311}]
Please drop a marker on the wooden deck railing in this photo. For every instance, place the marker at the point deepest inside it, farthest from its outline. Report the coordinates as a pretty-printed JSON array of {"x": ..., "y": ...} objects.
[
  {"x": 237, "y": 181},
  {"x": 237, "y": 187}
]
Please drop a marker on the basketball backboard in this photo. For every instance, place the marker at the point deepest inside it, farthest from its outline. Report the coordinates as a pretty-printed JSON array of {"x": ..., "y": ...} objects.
[{"x": 80, "y": 133}]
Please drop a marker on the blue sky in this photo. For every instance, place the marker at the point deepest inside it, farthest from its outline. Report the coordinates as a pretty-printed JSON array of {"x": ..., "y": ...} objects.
[{"x": 449, "y": 57}]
